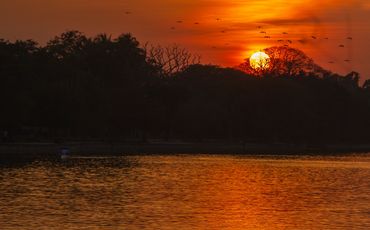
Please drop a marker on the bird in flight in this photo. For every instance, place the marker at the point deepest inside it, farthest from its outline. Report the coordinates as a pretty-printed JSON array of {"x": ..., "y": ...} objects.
[
  {"x": 266, "y": 36},
  {"x": 179, "y": 21},
  {"x": 349, "y": 38},
  {"x": 314, "y": 37},
  {"x": 341, "y": 46},
  {"x": 263, "y": 32},
  {"x": 285, "y": 33}
]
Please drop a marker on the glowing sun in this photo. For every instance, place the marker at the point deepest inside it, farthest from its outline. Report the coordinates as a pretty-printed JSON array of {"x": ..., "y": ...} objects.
[{"x": 259, "y": 60}]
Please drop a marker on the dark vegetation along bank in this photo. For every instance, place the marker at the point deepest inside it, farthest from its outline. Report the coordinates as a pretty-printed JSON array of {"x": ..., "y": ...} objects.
[{"x": 114, "y": 89}]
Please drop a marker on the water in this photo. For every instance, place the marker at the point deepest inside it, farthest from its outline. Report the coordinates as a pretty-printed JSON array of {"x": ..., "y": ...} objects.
[{"x": 187, "y": 192}]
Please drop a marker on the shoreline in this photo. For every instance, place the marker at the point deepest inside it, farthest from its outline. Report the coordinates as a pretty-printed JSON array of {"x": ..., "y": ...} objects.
[{"x": 51, "y": 150}]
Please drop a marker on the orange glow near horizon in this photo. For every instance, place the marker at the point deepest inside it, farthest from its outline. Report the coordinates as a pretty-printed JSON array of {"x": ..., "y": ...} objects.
[{"x": 222, "y": 32}]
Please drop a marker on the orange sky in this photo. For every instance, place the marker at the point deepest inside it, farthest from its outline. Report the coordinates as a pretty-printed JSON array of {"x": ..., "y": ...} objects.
[{"x": 225, "y": 42}]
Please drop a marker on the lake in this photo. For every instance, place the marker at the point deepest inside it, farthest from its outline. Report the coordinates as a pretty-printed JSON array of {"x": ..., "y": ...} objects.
[{"x": 187, "y": 192}]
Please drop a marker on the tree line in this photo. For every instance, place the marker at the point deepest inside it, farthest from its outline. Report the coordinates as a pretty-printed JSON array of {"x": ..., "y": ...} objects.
[{"x": 114, "y": 89}]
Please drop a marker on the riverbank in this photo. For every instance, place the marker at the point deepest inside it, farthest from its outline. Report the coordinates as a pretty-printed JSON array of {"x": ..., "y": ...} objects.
[{"x": 31, "y": 150}]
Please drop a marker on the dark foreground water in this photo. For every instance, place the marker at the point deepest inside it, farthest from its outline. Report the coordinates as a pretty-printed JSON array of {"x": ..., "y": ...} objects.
[{"x": 187, "y": 192}]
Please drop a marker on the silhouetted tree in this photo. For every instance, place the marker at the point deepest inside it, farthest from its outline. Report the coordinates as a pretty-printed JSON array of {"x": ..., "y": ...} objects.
[
  {"x": 366, "y": 85},
  {"x": 283, "y": 62},
  {"x": 170, "y": 60},
  {"x": 246, "y": 67},
  {"x": 113, "y": 89},
  {"x": 289, "y": 62}
]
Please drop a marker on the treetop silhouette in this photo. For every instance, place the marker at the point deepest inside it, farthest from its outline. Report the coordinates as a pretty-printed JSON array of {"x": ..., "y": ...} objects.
[{"x": 79, "y": 87}]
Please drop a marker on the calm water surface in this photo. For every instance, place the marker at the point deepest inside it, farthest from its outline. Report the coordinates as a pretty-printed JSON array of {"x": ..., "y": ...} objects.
[{"x": 188, "y": 192}]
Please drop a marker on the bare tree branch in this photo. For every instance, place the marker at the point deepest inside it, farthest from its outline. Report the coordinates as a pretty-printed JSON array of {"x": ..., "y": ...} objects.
[{"x": 170, "y": 60}]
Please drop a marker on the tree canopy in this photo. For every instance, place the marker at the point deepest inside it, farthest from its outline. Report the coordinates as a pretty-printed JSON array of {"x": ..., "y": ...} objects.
[{"x": 79, "y": 87}]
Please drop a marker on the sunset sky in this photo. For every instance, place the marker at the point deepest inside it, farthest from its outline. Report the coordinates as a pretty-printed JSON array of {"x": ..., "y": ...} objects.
[{"x": 225, "y": 42}]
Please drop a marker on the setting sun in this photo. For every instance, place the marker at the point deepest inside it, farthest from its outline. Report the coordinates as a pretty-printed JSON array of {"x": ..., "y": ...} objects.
[{"x": 259, "y": 60}]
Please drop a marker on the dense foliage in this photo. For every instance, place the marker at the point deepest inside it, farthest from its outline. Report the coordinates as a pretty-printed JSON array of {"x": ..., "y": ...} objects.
[{"x": 77, "y": 87}]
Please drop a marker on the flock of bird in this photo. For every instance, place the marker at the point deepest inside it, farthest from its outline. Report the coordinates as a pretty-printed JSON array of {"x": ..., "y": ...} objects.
[
  {"x": 302, "y": 41},
  {"x": 284, "y": 41}
]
